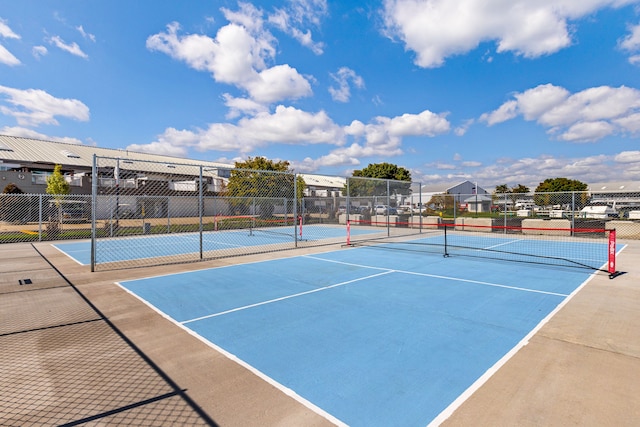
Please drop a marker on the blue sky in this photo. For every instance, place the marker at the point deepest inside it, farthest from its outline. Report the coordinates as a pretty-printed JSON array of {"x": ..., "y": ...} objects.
[{"x": 496, "y": 91}]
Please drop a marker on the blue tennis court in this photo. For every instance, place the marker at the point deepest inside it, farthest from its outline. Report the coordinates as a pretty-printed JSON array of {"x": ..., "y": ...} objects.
[
  {"x": 155, "y": 246},
  {"x": 364, "y": 336}
]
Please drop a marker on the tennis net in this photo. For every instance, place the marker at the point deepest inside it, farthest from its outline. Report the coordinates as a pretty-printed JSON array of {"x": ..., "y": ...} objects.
[
  {"x": 287, "y": 228},
  {"x": 593, "y": 248}
]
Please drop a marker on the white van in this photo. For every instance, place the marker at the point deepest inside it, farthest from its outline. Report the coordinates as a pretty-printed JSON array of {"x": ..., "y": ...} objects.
[{"x": 599, "y": 211}]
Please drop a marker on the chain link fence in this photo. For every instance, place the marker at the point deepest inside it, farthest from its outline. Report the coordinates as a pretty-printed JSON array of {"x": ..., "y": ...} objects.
[
  {"x": 149, "y": 213},
  {"x": 37, "y": 217},
  {"x": 509, "y": 212}
]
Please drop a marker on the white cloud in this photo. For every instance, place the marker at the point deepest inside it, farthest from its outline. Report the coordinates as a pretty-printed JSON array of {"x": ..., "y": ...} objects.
[
  {"x": 464, "y": 127},
  {"x": 436, "y": 29},
  {"x": 471, "y": 164},
  {"x": 39, "y": 51},
  {"x": 6, "y": 32},
  {"x": 164, "y": 148},
  {"x": 344, "y": 78},
  {"x": 71, "y": 48},
  {"x": 588, "y": 131},
  {"x": 288, "y": 125},
  {"x": 277, "y": 83},
  {"x": 531, "y": 171},
  {"x": 507, "y": 111},
  {"x": 7, "y": 57},
  {"x": 425, "y": 123},
  {"x": 297, "y": 14},
  {"x": 33, "y": 107},
  {"x": 630, "y": 123},
  {"x": 631, "y": 44},
  {"x": 30, "y": 133},
  {"x": 241, "y": 106},
  {"x": 86, "y": 35},
  {"x": 329, "y": 160},
  {"x": 628, "y": 157},
  {"x": 584, "y": 116},
  {"x": 381, "y": 138},
  {"x": 442, "y": 166},
  {"x": 632, "y": 41},
  {"x": 238, "y": 55}
]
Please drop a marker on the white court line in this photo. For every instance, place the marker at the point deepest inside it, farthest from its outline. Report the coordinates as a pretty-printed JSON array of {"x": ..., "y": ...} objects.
[
  {"x": 68, "y": 254},
  {"x": 449, "y": 410},
  {"x": 505, "y": 243},
  {"x": 455, "y": 279},
  {"x": 384, "y": 272},
  {"x": 184, "y": 322},
  {"x": 286, "y": 390}
]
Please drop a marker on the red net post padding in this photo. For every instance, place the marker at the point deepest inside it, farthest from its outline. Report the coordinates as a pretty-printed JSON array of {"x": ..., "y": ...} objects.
[
  {"x": 300, "y": 222},
  {"x": 612, "y": 254}
]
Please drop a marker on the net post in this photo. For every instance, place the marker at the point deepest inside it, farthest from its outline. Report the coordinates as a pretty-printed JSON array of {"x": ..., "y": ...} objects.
[
  {"x": 612, "y": 254},
  {"x": 446, "y": 251},
  {"x": 348, "y": 232}
]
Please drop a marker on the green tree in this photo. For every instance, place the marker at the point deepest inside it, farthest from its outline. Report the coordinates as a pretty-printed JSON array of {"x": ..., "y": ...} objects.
[
  {"x": 498, "y": 195},
  {"x": 513, "y": 193},
  {"x": 517, "y": 191},
  {"x": 502, "y": 189},
  {"x": 56, "y": 183},
  {"x": 553, "y": 191},
  {"x": 520, "y": 189},
  {"x": 263, "y": 182},
  {"x": 384, "y": 171},
  {"x": 441, "y": 202},
  {"x": 12, "y": 189},
  {"x": 58, "y": 187},
  {"x": 400, "y": 180}
]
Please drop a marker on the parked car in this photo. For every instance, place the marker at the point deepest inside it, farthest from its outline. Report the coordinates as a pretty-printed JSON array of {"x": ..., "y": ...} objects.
[
  {"x": 364, "y": 210},
  {"x": 385, "y": 210}
]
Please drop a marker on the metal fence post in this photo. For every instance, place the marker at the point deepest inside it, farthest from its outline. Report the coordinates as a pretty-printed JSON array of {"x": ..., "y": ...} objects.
[
  {"x": 388, "y": 209},
  {"x": 573, "y": 211},
  {"x": 505, "y": 213},
  {"x": 295, "y": 209},
  {"x": 200, "y": 211},
  {"x": 40, "y": 218},
  {"x": 94, "y": 204}
]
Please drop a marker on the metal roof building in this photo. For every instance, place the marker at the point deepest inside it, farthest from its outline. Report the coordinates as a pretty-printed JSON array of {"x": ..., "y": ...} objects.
[
  {"x": 26, "y": 162},
  {"x": 39, "y": 154}
]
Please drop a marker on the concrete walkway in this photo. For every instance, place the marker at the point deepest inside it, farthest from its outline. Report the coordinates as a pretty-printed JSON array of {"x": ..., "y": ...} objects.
[{"x": 76, "y": 349}]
